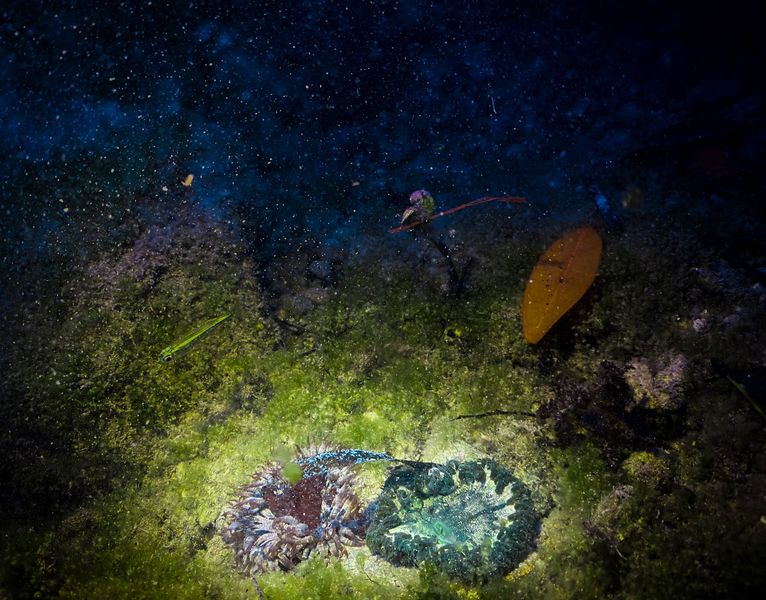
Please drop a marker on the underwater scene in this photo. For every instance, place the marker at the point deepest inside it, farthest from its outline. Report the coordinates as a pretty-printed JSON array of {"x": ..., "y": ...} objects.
[{"x": 382, "y": 300}]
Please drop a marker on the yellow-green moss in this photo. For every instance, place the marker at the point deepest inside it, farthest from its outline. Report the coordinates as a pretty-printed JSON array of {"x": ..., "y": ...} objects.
[
  {"x": 155, "y": 452},
  {"x": 648, "y": 469}
]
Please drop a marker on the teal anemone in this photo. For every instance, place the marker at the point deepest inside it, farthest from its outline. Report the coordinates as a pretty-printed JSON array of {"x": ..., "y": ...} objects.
[{"x": 472, "y": 520}]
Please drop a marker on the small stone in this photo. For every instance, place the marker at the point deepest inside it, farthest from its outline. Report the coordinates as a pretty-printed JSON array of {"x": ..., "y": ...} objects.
[
  {"x": 297, "y": 304},
  {"x": 317, "y": 295},
  {"x": 648, "y": 469},
  {"x": 659, "y": 384},
  {"x": 322, "y": 270}
]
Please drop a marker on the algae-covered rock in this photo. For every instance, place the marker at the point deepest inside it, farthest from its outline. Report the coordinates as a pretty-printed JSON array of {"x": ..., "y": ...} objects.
[
  {"x": 613, "y": 514},
  {"x": 472, "y": 520},
  {"x": 648, "y": 468},
  {"x": 98, "y": 387},
  {"x": 658, "y": 384}
]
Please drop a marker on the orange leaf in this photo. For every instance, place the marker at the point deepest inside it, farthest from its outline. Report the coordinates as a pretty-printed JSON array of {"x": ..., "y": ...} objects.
[{"x": 560, "y": 278}]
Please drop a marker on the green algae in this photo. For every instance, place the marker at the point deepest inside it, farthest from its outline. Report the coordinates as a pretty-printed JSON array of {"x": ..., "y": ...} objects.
[
  {"x": 138, "y": 499},
  {"x": 208, "y": 448}
]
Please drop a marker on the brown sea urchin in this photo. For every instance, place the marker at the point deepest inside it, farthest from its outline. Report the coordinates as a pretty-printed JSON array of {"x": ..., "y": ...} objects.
[{"x": 275, "y": 524}]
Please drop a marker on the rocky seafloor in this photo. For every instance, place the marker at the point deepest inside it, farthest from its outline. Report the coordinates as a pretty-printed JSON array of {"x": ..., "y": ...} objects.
[{"x": 637, "y": 424}]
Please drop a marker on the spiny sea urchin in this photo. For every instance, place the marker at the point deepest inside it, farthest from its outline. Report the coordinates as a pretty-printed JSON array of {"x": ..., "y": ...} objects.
[
  {"x": 276, "y": 524},
  {"x": 472, "y": 520}
]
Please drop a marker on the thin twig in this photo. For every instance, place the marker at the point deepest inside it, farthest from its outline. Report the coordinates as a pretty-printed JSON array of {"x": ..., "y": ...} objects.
[
  {"x": 258, "y": 589},
  {"x": 741, "y": 389},
  {"x": 456, "y": 282},
  {"x": 449, "y": 211},
  {"x": 493, "y": 413},
  {"x": 507, "y": 199}
]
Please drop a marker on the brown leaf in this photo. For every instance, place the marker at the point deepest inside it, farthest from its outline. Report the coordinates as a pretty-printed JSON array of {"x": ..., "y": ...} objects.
[{"x": 560, "y": 278}]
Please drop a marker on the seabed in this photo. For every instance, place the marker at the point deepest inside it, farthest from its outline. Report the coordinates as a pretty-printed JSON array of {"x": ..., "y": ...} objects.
[{"x": 636, "y": 423}]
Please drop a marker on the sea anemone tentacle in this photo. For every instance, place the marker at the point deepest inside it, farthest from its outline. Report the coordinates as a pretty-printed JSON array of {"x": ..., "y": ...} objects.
[{"x": 275, "y": 524}]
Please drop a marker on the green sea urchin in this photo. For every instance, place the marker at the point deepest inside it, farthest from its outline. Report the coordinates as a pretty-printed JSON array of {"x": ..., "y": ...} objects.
[
  {"x": 275, "y": 524},
  {"x": 473, "y": 520}
]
